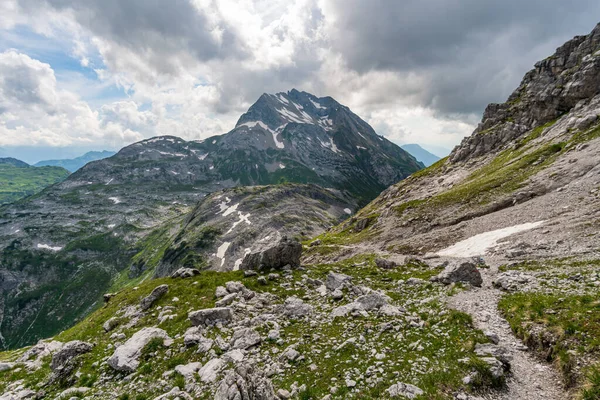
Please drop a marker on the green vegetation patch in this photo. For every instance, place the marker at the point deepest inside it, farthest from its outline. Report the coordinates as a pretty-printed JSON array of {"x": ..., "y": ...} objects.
[
  {"x": 19, "y": 182},
  {"x": 561, "y": 327}
]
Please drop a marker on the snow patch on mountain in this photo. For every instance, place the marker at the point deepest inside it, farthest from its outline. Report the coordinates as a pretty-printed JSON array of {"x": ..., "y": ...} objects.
[
  {"x": 48, "y": 247},
  {"x": 221, "y": 252},
  {"x": 479, "y": 244}
]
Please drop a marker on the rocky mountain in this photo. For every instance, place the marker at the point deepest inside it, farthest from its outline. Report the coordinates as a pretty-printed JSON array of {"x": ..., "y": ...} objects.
[
  {"x": 18, "y": 179},
  {"x": 475, "y": 278},
  {"x": 102, "y": 227},
  {"x": 420, "y": 154},
  {"x": 73, "y": 164}
]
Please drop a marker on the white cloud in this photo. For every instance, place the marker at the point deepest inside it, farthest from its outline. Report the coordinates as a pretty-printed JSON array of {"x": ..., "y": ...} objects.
[{"x": 190, "y": 68}]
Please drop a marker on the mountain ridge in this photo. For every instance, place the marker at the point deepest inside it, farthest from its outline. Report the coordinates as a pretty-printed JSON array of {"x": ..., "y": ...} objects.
[{"x": 73, "y": 164}]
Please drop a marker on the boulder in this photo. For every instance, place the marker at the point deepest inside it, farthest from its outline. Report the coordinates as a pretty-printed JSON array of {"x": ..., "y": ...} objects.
[
  {"x": 69, "y": 351},
  {"x": 110, "y": 324},
  {"x": 373, "y": 300},
  {"x": 335, "y": 280},
  {"x": 185, "y": 273},
  {"x": 461, "y": 271},
  {"x": 287, "y": 251},
  {"x": 293, "y": 307},
  {"x": 175, "y": 394},
  {"x": 126, "y": 357},
  {"x": 211, "y": 316},
  {"x": 156, "y": 294},
  {"x": 188, "y": 370},
  {"x": 227, "y": 300}
]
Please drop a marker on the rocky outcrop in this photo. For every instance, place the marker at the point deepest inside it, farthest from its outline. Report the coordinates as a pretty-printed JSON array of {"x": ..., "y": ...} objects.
[
  {"x": 286, "y": 252},
  {"x": 156, "y": 294},
  {"x": 64, "y": 360},
  {"x": 548, "y": 91}
]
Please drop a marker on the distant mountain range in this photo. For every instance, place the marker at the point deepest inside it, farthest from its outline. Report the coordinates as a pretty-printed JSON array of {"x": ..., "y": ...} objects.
[
  {"x": 421, "y": 154},
  {"x": 18, "y": 179},
  {"x": 74, "y": 164}
]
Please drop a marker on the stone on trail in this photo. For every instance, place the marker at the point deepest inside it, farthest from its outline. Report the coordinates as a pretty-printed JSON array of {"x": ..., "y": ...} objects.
[{"x": 460, "y": 271}]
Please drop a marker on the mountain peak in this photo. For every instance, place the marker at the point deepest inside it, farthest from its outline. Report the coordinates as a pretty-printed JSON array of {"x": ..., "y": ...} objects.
[{"x": 277, "y": 110}]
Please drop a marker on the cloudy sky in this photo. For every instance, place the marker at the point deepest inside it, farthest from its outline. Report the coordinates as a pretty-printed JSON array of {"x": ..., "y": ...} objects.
[{"x": 78, "y": 75}]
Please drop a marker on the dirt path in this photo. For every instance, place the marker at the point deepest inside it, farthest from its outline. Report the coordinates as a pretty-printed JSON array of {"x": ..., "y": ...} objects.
[{"x": 531, "y": 379}]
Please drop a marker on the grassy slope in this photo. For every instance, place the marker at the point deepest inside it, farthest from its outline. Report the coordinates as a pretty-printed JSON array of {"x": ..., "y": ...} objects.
[
  {"x": 16, "y": 183},
  {"x": 561, "y": 323},
  {"x": 447, "y": 335}
]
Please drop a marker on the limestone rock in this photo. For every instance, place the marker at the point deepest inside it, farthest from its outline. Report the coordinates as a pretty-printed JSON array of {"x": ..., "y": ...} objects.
[
  {"x": 126, "y": 357},
  {"x": 211, "y": 316},
  {"x": 461, "y": 271},
  {"x": 156, "y": 294},
  {"x": 335, "y": 280}
]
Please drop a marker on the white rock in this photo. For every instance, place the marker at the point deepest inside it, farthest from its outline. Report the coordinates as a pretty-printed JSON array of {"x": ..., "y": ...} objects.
[{"x": 126, "y": 357}]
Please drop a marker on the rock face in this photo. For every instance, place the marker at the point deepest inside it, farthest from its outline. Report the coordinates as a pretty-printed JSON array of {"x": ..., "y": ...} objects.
[
  {"x": 286, "y": 252},
  {"x": 156, "y": 294},
  {"x": 553, "y": 87},
  {"x": 126, "y": 357},
  {"x": 461, "y": 271}
]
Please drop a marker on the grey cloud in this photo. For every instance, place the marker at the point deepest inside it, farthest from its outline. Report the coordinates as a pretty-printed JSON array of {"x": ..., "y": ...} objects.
[
  {"x": 471, "y": 52},
  {"x": 160, "y": 32}
]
